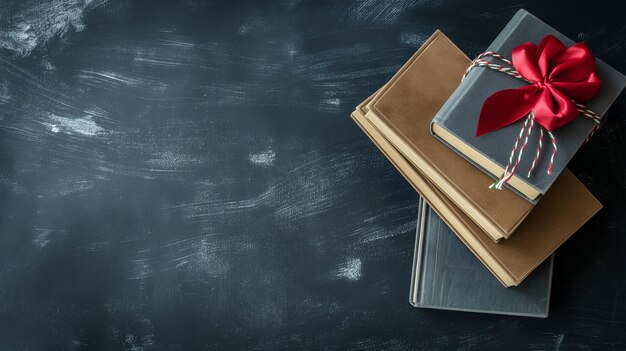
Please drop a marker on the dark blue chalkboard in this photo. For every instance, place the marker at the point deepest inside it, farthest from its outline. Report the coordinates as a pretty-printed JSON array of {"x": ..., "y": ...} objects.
[{"x": 185, "y": 175}]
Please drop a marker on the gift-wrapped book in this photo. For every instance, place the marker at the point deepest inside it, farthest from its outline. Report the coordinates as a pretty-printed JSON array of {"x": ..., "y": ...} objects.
[{"x": 553, "y": 80}]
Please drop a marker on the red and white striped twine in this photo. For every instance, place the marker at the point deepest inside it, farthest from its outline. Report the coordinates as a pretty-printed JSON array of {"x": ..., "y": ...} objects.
[
  {"x": 528, "y": 123},
  {"x": 539, "y": 147}
]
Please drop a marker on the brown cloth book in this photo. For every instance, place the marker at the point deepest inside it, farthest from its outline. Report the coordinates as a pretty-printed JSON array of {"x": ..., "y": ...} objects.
[
  {"x": 562, "y": 212},
  {"x": 402, "y": 112},
  {"x": 539, "y": 236}
]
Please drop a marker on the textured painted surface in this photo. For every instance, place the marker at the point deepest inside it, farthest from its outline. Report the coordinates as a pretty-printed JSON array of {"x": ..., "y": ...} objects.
[{"x": 184, "y": 175}]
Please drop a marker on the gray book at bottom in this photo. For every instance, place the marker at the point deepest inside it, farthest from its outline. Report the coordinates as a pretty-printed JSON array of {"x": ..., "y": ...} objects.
[{"x": 446, "y": 275}]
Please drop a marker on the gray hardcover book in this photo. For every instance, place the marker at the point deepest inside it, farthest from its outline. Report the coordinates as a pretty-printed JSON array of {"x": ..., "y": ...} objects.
[
  {"x": 447, "y": 276},
  {"x": 459, "y": 115}
]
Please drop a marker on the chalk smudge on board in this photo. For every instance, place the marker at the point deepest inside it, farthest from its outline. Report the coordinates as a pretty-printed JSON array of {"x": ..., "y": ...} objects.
[
  {"x": 84, "y": 126},
  {"x": 99, "y": 77},
  {"x": 172, "y": 160},
  {"x": 263, "y": 159},
  {"x": 371, "y": 233},
  {"x": 71, "y": 186},
  {"x": 42, "y": 237},
  {"x": 291, "y": 49},
  {"x": 206, "y": 260},
  {"x": 307, "y": 189},
  {"x": 558, "y": 342},
  {"x": 380, "y": 12},
  {"x": 349, "y": 270},
  {"x": 413, "y": 39},
  {"x": 330, "y": 104},
  {"x": 35, "y": 24},
  {"x": 200, "y": 256},
  {"x": 250, "y": 25},
  {"x": 313, "y": 186}
]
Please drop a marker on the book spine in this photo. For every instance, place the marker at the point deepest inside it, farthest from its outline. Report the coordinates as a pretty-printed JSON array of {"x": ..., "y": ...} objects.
[{"x": 415, "y": 295}]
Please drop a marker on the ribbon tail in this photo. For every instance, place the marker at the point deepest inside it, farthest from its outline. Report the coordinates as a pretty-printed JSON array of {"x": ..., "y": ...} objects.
[
  {"x": 507, "y": 175},
  {"x": 506, "y": 107}
]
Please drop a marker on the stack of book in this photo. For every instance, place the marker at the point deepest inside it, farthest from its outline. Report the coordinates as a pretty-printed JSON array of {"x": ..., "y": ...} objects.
[{"x": 424, "y": 121}]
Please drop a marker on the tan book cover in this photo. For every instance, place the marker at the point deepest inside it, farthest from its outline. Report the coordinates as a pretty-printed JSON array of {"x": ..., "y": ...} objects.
[
  {"x": 402, "y": 112},
  {"x": 561, "y": 213}
]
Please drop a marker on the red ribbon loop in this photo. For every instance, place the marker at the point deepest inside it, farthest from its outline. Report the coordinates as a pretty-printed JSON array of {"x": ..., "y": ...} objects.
[{"x": 558, "y": 74}]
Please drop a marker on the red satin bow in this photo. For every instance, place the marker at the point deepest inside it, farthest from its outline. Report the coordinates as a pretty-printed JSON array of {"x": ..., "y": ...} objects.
[{"x": 558, "y": 75}]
